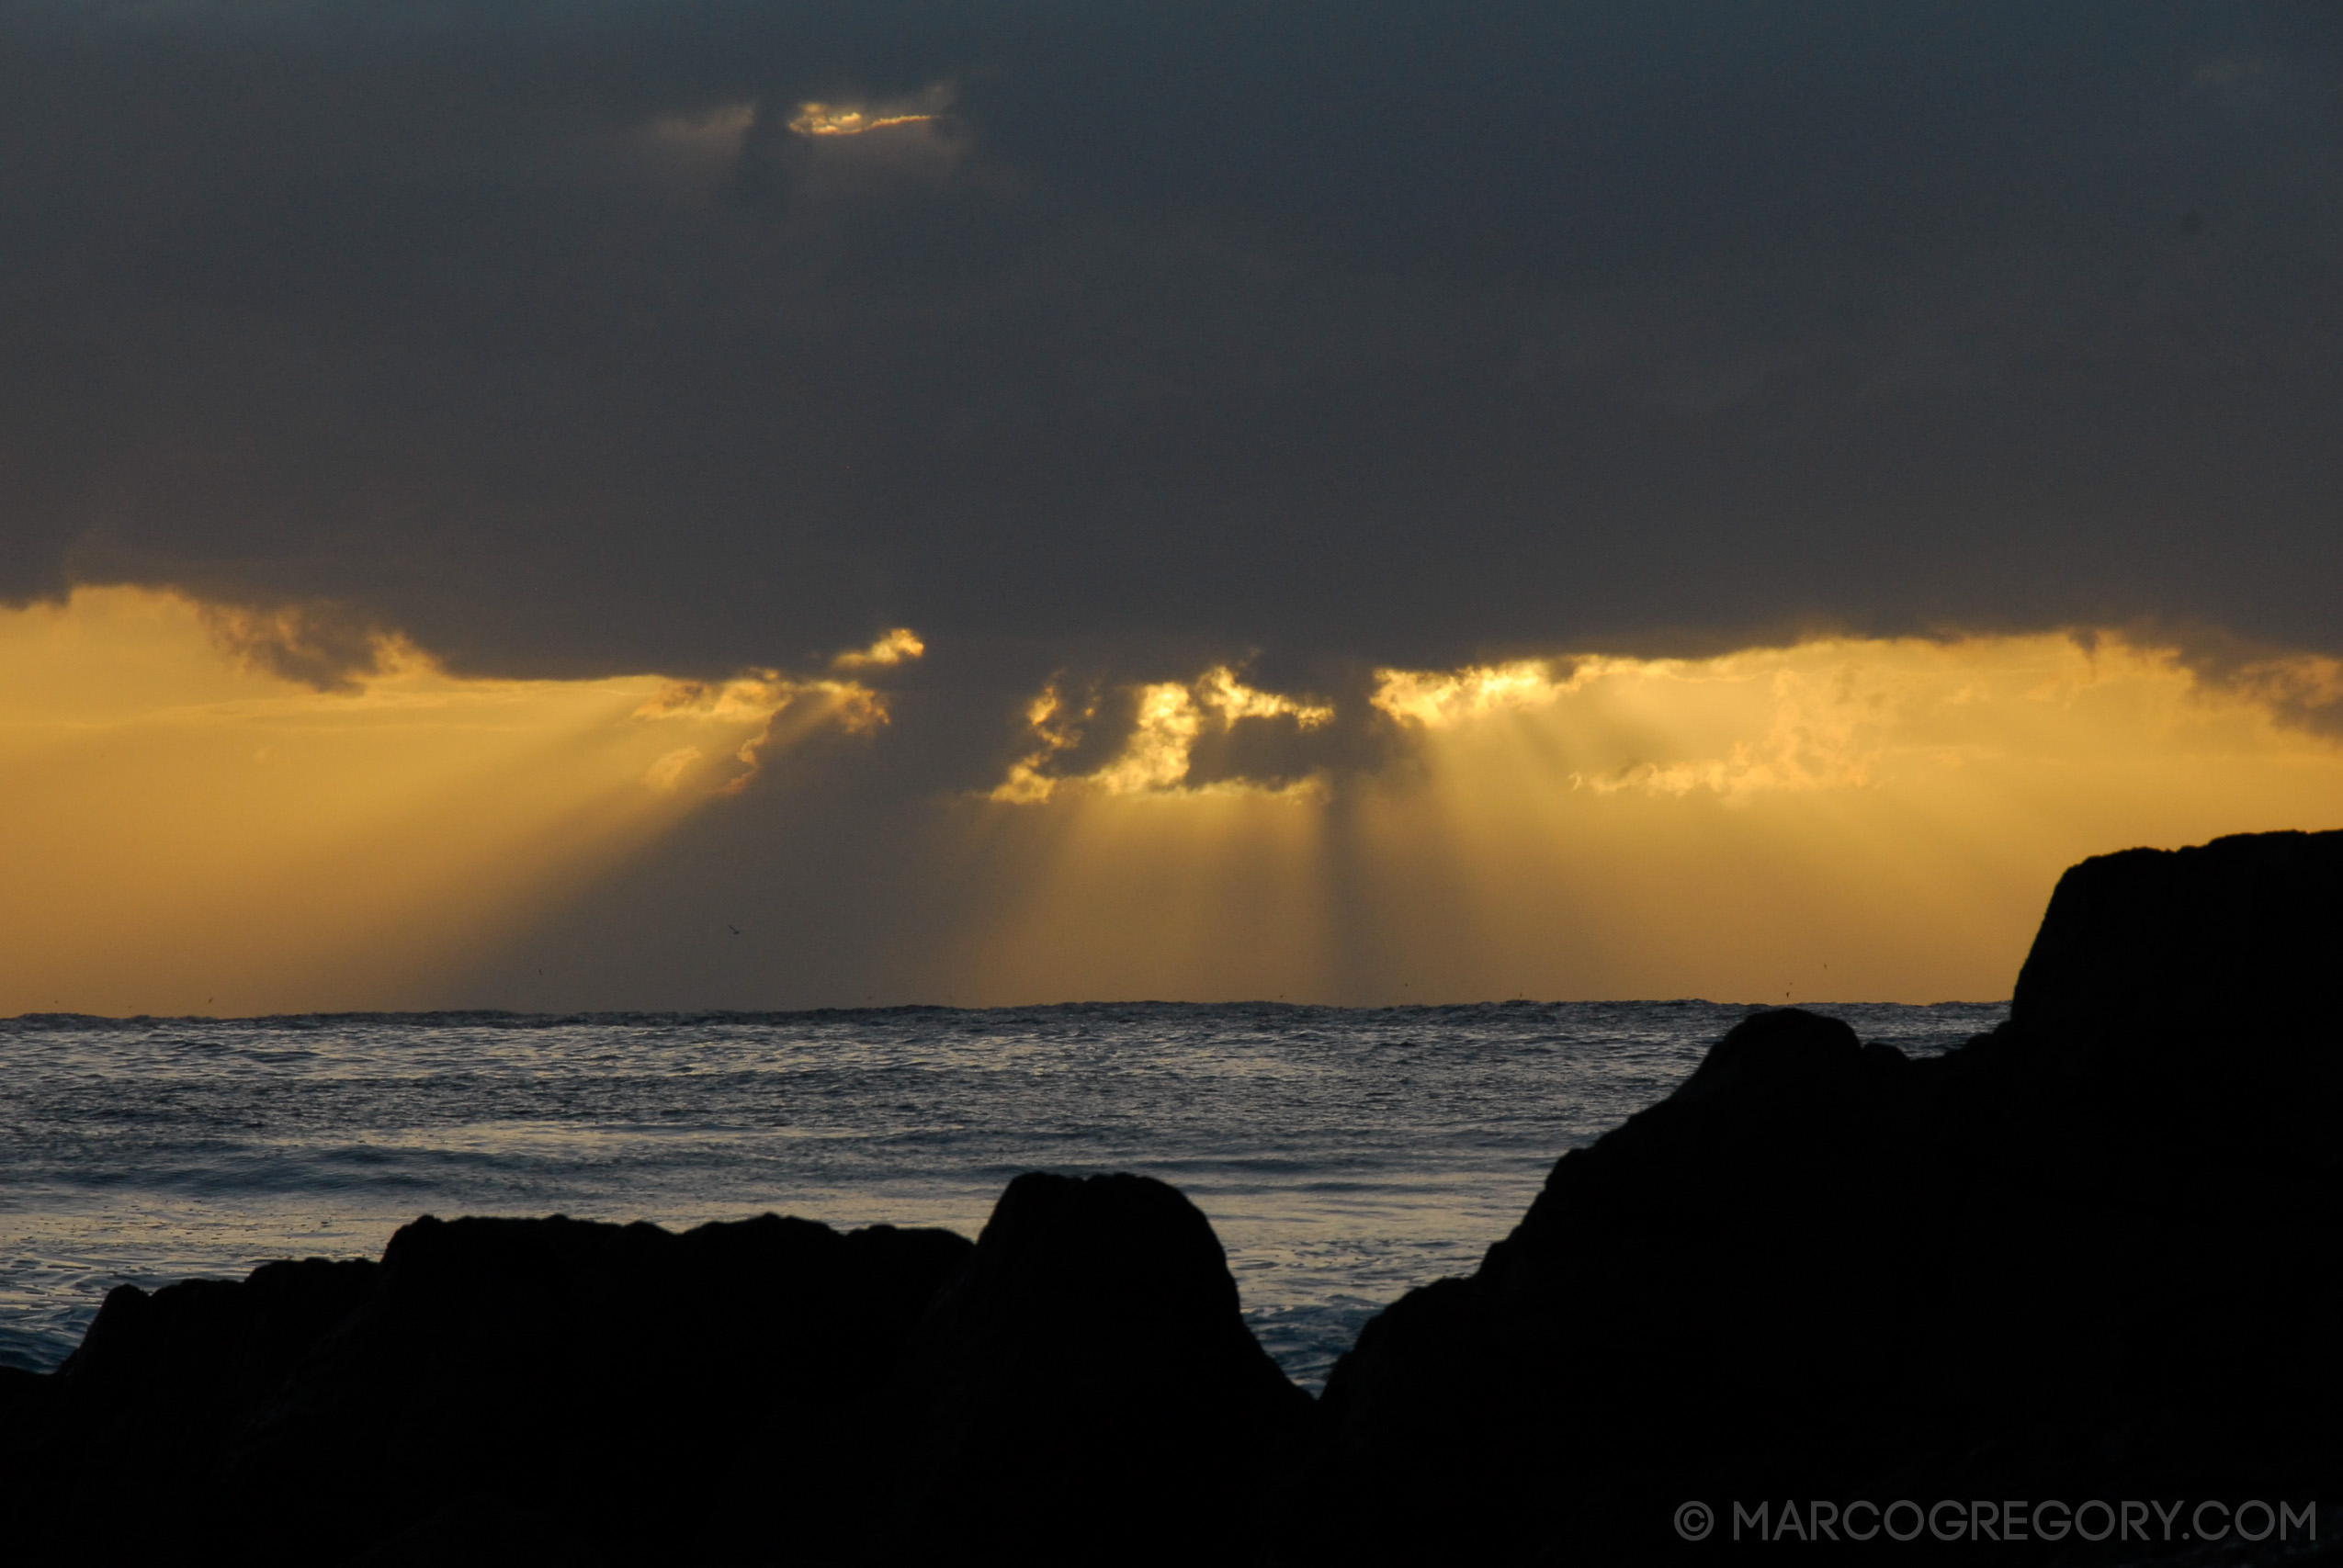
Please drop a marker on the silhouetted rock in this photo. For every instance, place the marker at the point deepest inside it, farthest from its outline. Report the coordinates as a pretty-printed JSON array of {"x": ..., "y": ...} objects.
[
  {"x": 2095, "y": 1254},
  {"x": 570, "y": 1381},
  {"x": 1086, "y": 1392},
  {"x": 117, "y": 1445},
  {"x": 2236, "y": 937},
  {"x": 2195, "y": 991}
]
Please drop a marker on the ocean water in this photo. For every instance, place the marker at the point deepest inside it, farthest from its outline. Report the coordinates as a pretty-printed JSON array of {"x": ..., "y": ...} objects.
[{"x": 1343, "y": 1155}]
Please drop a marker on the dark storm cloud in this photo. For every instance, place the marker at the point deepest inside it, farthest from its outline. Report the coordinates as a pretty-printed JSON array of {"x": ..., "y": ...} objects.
[{"x": 1339, "y": 332}]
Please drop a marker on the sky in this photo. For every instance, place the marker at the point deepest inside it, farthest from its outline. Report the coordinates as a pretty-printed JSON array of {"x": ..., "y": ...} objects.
[{"x": 654, "y": 504}]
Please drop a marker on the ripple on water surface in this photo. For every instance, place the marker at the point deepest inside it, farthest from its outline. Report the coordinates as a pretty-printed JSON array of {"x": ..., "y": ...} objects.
[{"x": 1343, "y": 1155}]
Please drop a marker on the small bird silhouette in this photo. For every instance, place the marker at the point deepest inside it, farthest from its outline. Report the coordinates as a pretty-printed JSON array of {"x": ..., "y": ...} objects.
[{"x": 733, "y": 929}]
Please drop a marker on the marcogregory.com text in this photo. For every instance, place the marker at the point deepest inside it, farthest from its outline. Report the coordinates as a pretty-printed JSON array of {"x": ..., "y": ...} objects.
[{"x": 2212, "y": 1519}]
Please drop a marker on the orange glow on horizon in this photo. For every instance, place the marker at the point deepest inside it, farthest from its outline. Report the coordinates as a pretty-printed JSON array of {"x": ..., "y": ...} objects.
[
  {"x": 1848, "y": 819},
  {"x": 183, "y": 832}
]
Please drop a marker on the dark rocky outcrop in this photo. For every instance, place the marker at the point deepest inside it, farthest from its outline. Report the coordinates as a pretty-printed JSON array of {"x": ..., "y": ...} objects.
[
  {"x": 115, "y": 1452},
  {"x": 2196, "y": 992},
  {"x": 1086, "y": 1392},
  {"x": 2097, "y": 1253},
  {"x": 1077, "y": 1388},
  {"x": 562, "y": 1381}
]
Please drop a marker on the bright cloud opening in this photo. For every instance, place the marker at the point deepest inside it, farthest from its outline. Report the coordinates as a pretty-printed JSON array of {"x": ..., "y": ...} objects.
[
  {"x": 823, "y": 120},
  {"x": 1158, "y": 756}
]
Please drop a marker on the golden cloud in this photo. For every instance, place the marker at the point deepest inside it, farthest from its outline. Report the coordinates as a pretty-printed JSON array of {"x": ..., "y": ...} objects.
[
  {"x": 1168, "y": 719},
  {"x": 823, "y": 120},
  {"x": 785, "y": 709}
]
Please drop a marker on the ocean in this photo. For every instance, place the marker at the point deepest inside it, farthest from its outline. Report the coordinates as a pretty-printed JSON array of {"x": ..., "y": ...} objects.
[{"x": 1343, "y": 1155}]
